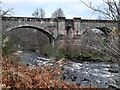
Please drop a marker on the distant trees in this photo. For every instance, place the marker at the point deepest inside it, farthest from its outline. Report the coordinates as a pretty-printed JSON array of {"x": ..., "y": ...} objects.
[
  {"x": 39, "y": 13},
  {"x": 58, "y": 13}
]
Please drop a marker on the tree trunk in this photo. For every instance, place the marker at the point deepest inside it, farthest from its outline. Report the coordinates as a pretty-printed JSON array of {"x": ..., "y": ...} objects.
[{"x": 118, "y": 24}]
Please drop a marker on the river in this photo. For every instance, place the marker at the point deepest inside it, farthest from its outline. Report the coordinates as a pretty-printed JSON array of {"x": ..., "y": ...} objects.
[{"x": 99, "y": 74}]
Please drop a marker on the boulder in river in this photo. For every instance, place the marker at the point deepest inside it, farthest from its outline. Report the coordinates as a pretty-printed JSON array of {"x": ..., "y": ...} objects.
[{"x": 113, "y": 70}]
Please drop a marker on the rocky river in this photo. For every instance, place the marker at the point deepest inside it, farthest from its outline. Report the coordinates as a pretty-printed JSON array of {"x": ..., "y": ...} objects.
[{"x": 99, "y": 74}]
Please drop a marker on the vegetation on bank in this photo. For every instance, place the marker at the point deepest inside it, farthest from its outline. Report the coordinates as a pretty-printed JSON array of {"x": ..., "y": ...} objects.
[
  {"x": 17, "y": 75},
  {"x": 73, "y": 54},
  {"x": 10, "y": 46}
]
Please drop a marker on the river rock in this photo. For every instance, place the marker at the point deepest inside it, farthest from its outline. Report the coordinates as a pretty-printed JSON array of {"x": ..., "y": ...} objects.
[{"x": 113, "y": 71}]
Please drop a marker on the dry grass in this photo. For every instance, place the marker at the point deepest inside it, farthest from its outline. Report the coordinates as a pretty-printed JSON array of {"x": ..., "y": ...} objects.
[{"x": 19, "y": 76}]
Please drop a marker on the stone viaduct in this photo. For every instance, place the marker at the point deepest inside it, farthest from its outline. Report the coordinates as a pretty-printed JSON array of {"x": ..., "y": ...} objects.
[{"x": 54, "y": 28}]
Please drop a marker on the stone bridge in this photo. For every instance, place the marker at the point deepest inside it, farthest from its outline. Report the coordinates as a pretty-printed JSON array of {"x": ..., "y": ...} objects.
[{"x": 53, "y": 28}]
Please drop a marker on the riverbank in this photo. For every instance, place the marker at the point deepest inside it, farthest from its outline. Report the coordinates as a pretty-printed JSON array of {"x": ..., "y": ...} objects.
[
  {"x": 15, "y": 75},
  {"x": 85, "y": 73}
]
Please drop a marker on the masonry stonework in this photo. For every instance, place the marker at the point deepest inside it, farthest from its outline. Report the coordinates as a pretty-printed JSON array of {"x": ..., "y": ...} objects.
[{"x": 55, "y": 29}]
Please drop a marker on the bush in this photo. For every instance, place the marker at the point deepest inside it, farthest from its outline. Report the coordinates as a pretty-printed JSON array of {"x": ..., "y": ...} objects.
[
  {"x": 8, "y": 46},
  {"x": 16, "y": 75},
  {"x": 60, "y": 53}
]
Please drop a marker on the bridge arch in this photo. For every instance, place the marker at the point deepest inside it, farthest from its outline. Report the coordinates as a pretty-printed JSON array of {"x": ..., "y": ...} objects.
[
  {"x": 44, "y": 31},
  {"x": 105, "y": 30}
]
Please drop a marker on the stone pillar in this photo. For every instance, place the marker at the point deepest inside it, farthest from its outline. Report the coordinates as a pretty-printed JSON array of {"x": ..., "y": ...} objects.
[
  {"x": 53, "y": 27},
  {"x": 52, "y": 42},
  {"x": 77, "y": 26},
  {"x": 61, "y": 26}
]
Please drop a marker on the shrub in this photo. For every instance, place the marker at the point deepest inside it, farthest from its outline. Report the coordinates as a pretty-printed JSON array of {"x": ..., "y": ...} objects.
[{"x": 17, "y": 75}]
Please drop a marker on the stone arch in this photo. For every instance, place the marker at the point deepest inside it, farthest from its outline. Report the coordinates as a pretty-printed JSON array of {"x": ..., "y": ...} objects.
[
  {"x": 46, "y": 32},
  {"x": 105, "y": 30}
]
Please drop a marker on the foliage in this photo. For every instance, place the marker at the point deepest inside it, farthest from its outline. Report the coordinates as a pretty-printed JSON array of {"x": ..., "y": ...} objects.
[
  {"x": 53, "y": 52},
  {"x": 72, "y": 53},
  {"x": 17, "y": 75},
  {"x": 60, "y": 53},
  {"x": 58, "y": 13},
  {"x": 8, "y": 46}
]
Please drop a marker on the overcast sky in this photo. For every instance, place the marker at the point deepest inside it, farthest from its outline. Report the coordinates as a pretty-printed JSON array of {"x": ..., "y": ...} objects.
[{"x": 71, "y": 8}]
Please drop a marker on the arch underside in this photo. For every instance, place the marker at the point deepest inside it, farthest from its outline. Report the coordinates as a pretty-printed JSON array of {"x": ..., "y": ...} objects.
[{"x": 104, "y": 30}]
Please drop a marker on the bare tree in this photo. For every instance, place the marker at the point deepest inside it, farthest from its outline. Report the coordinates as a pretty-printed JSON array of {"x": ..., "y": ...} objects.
[
  {"x": 7, "y": 12},
  {"x": 111, "y": 43},
  {"x": 109, "y": 10},
  {"x": 58, "y": 13},
  {"x": 39, "y": 13}
]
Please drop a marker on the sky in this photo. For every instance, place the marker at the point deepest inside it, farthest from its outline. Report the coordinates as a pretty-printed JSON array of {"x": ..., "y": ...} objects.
[{"x": 71, "y": 8}]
